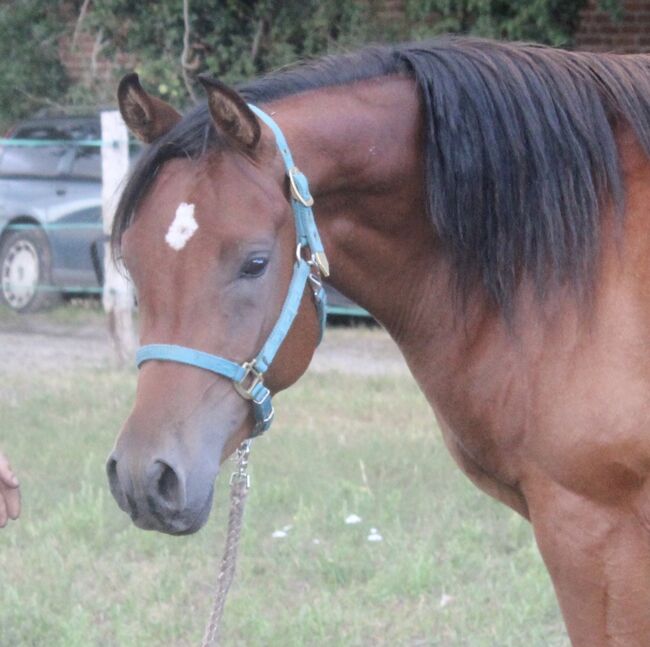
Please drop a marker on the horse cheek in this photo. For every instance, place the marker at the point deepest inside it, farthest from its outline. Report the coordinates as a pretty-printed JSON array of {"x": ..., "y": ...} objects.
[{"x": 298, "y": 348}]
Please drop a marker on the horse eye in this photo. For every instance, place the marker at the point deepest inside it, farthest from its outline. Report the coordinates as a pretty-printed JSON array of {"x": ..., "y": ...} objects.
[{"x": 254, "y": 267}]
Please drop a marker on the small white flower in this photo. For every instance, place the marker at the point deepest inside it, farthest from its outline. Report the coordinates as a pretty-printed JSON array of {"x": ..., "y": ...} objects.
[
  {"x": 374, "y": 535},
  {"x": 352, "y": 519},
  {"x": 315, "y": 541},
  {"x": 279, "y": 534},
  {"x": 182, "y": 228},
  {"x": 445, "y": 600}
]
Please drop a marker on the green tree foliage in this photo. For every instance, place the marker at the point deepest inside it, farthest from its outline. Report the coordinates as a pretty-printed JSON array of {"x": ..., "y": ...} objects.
[
  {"x": 235, "y": 39},
  {"x": 552, "y": 22},
  {"x": 30, "y": 74}
]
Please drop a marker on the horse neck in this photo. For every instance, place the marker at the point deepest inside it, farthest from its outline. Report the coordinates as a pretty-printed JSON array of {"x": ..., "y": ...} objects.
[{"x": 360, "y": 146}]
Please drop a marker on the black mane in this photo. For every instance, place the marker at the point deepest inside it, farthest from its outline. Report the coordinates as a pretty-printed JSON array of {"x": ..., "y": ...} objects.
[{"x": 521, "y": 156}]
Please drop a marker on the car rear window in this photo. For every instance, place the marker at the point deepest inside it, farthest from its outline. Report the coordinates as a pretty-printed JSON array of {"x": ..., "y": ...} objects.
[
  {"x": 56, "y": 160},
  {"x": 40, "y": 132}
]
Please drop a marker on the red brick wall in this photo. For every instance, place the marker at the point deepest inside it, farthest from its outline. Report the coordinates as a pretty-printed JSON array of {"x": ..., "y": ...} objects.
[
  {"x": 391, "y": 9},
  {"x": 598, "y": 32},
  {"x": 84, "y": 61}
]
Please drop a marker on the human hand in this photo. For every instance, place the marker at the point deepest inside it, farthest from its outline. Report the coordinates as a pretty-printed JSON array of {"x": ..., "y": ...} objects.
[{"x": 9, "y": 492}]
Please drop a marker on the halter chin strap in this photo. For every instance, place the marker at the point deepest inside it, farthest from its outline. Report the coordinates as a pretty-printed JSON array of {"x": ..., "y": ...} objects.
[{"x": 311, "y": 263}]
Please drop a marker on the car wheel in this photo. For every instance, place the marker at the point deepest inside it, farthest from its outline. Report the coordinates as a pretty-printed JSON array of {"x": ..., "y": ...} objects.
[{"x": 26, "y": 271}]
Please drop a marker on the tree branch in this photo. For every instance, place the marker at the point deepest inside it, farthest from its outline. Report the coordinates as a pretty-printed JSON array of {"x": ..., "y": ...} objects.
[
  {"x": 41, "y": 101},
  {"x": 77, "y": 28},
  {"x": 98, "y": 46},
  {"x": 186, "y": 64},
  {"x": 257, "y": 39}
]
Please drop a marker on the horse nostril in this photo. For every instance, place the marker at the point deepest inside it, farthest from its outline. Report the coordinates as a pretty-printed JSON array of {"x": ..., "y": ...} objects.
[
  {"x": 168, "y": 484},
  {"x": 168, "y": 487},
  {"x": 113, "y": 480}
]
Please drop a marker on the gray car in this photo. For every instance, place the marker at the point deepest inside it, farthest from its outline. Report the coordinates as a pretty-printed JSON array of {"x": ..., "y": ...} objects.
[{"x": 50, "y": 211}]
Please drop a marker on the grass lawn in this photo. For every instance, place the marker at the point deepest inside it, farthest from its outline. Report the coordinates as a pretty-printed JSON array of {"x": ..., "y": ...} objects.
[
  {"x": 454, "y": 568},
  {"x": 79, "y": 311}
]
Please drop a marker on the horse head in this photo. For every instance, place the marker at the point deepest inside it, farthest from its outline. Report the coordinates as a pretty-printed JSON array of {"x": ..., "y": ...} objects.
[{"x": 205, "y": 228}]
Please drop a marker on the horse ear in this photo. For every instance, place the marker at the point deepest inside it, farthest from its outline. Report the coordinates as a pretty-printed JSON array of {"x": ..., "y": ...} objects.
[
  {"x": 231, "y": 113},
  {"x": 147, "y": 117}
]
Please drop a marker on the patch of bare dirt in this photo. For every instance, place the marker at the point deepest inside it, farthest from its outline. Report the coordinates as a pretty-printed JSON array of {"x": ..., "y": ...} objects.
[{"x": 49, "y": 344}]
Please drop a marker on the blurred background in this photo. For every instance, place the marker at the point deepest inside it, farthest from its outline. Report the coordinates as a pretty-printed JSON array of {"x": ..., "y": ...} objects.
[
  {"x": 70, "y": 53},
  {"x": 446, "y": 566},
  {"x": 62, "y": 61}
]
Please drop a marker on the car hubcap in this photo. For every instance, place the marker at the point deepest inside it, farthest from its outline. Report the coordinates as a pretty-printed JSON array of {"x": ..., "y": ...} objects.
[{"x": 20, "y": 274}]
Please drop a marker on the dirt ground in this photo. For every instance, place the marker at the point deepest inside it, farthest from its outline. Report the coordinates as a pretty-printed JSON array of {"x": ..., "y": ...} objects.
[{"x": 70, "y": 339}]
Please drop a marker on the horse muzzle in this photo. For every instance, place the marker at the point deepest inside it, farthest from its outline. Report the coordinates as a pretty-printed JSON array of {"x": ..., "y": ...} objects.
[
  {"x": 168, "y": 489},
  {"x": 159, "y": 499}
]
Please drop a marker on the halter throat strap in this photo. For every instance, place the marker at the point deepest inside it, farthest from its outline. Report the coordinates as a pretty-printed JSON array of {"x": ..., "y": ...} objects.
[{"x": 310, "y": 265}]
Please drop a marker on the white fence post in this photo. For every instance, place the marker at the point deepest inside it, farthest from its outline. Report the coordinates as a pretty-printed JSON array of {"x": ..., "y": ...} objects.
[{"x": 118, "y": 295}]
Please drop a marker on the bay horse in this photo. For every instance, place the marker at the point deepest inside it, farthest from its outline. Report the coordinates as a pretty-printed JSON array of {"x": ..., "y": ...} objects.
[{"x": 489, "y": 204}]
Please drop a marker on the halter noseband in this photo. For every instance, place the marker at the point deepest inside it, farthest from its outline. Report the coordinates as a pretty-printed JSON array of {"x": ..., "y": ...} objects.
[{"x": 248, "y": 378}]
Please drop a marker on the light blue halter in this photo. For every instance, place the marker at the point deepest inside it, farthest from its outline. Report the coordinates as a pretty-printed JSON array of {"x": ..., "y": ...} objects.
[{"x": 248, "y": 378}]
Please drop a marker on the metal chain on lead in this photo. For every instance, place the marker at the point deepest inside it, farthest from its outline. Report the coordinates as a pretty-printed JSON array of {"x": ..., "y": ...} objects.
[{"x": 239, "y": 485}]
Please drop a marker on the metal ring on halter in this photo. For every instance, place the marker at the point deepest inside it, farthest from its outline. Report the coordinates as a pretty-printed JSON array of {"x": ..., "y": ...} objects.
[
  {"x": 311, "y": 261},
  {"x": 269, "y": 417},
  {"x": 315, "y": 259},
  {"x": 295, "y": 192}
]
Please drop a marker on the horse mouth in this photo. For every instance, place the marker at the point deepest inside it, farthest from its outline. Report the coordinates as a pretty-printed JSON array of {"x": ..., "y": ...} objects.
[{"x": 185, "y": 522}]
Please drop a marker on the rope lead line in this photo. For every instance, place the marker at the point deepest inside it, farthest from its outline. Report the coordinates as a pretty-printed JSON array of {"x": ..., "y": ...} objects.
[{"x": 239, "y": 485}]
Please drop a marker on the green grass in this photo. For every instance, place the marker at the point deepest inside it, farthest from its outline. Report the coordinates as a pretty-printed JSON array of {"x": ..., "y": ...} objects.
[
  {"x": 76, "y": 311},
  {"x": 74, "y": 572}
]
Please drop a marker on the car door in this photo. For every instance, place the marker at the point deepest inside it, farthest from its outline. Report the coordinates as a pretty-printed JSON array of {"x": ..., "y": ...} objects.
[
  {"x": 77, "y": 230},
  {"x": 76, "y": 243}
]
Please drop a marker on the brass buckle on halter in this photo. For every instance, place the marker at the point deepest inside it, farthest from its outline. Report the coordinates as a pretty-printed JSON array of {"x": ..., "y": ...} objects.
[
  {"x": 323, "y": 264},
  {"x": 253, "y": 376},
  {"x": 317, "y": 259},
  {"x": 306, "y": 202}
]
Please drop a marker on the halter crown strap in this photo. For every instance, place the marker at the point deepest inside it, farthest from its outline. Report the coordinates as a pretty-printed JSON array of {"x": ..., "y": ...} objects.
[
  {"x": 248, "y": 378},
  {"x": 301, "y": 199}
]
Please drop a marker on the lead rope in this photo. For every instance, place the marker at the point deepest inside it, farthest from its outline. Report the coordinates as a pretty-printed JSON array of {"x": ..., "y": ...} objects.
[{"x": 239, "y": 486}]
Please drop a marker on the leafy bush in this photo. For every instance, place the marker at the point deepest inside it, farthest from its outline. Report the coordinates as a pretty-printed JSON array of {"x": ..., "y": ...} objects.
[
  {"x": 552, "y": 22},
  {"x": 31, "y": 74},
  {"x": 236, "y": 39}
]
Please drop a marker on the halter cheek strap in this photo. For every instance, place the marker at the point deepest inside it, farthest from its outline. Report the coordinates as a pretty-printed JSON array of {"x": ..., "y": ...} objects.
[{"x": 310, "y": 265}]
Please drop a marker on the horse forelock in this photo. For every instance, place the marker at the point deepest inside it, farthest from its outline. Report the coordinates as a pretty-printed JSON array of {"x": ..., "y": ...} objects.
[{"x": 520, "y": 147}]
